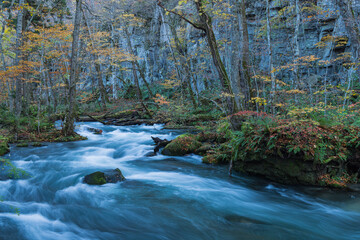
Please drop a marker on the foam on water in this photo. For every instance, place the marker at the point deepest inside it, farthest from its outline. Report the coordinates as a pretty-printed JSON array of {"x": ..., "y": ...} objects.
[{"x": 162, "y": 198}]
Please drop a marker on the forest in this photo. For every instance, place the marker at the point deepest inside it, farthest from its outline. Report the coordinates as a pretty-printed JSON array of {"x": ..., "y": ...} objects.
[{"x": 212, "y": 97}]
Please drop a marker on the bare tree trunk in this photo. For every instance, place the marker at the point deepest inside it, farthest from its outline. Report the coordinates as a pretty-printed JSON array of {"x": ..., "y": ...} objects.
[
  {"x": 142, "y": 75},
  {"x": 69, "y": 128},
  {"x": 245, "y": 73},
  {"x": 271, "y": 63},
  {"x": 102, "y": 90},
  {"x": 100, "y": 85},
  {"x": 136, "y": 64},
  {"x": 7, "y": 83},
  {"x": 19, "y": 35},
  {"x": 297, "y": 45},
  {"x": 182, "y": 55},
  {"x": 206, "y": 25}
]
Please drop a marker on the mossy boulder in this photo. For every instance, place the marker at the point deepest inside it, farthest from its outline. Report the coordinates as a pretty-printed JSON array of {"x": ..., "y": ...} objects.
[
  {"x": 216, "y": 156},
  {"x": 96, "y": 178},
  {"x": 210, "y": 137},
  {"x": 37, "y": 144},
  {"x": 4, "y": 146},
  {"x": 204, "y": 149},
  {"x": 101, "y": 178},
  {"x": 72, "y": 138},
  {"x": 286, "y": 171},
  {"x": 182, "y": 145},
  {"x": 24, "y": 144}
]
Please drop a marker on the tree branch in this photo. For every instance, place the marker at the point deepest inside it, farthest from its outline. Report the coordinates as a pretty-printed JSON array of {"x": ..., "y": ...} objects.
[{"x": 195, "y": 25}]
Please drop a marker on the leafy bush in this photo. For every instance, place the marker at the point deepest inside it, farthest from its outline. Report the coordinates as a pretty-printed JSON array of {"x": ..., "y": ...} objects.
[{"x": 272, "y": 136}]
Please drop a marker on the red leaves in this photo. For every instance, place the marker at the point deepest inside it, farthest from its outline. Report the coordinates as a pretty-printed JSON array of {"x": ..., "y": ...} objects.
[
  {"x": 340, "y": 181},
  {"x": 302, "y": 138}
]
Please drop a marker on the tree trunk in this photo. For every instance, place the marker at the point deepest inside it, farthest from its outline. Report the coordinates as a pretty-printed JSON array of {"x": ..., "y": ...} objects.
[
  {"x": 245, "y": 64},
  {"x": 206, "y": 26},
  {"x": 182, "y": 55},
  {"x": 19, "y": 34},
  {"x": 136, "y": 64},
  {"x": 69, "y": 128},
  {"x": 100, "y": 85},
  {"x": 271, "y": 62},
  {"x": 297, "y": 45}
]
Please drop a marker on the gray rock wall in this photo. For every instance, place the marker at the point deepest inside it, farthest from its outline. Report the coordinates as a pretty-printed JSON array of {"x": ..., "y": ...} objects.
[{"x": 152, "y": 43}]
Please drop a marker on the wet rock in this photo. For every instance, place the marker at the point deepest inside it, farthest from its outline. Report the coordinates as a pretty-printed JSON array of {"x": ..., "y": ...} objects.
[
  {"x": 181, "y": 146},
  {"x": 150, "y": 154},
  {"x": 4, "y": 147},
  {"x": 160, "y": 143},
  {"x": 25, "y": 144},
  {"x": 95, "y": 131},
  {"x": 286, "y": 171},
  {"x": 100, "y": 178},
  {"x": 354, "y": 187},
  {"x": 204, "y": 149},
  {"x": 37, "y": 144}
]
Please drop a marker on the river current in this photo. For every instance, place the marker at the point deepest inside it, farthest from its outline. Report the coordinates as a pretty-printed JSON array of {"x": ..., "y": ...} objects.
[{"x": 162, "y": 198}]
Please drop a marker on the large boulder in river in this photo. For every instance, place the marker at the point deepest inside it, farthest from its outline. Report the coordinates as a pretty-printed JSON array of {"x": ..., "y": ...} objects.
[
  {"x": 182, "y": 145},
  {"x": 100, "y": 178}
]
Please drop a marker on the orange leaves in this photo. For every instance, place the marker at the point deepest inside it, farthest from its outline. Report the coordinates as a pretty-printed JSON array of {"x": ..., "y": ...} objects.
[
  {"x": 161, "y": 100},
  {"x": 16, "y": 71}
]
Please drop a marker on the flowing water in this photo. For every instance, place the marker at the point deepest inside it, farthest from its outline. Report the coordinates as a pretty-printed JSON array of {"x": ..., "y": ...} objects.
[{"x": 162, "y": 198}]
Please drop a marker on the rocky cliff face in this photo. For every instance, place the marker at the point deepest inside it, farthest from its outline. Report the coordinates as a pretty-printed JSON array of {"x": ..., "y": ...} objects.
[{"x": 323, "y": 34}]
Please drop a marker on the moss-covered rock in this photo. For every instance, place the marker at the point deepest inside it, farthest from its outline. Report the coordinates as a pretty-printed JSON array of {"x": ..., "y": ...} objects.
[
  {"x": 96, "y": 178},
  {"x": 24, "y": 144},
  {"x": 4, "y": 146},
  {"x": 288, "y": 171},
  {"x": 37, "y": 144},
  {"x": 204, "y": 149},
  {"x": 217, "y": 156},
  {"x": 182, "y": 145},
  {"x": 101, "y": 178},
  {"x": 75, "y": 137}
]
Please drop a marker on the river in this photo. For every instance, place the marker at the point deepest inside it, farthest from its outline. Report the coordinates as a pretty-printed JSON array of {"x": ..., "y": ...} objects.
[{"x": 162, "y": 198}]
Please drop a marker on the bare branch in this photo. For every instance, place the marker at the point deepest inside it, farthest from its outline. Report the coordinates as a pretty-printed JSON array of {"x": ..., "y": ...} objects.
[{"x": 195, "y": 25}]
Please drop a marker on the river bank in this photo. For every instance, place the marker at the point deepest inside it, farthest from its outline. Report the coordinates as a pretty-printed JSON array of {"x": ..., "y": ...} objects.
[
  {"x": 162, "y": 197},
  {"x": 288, "y": 151}
]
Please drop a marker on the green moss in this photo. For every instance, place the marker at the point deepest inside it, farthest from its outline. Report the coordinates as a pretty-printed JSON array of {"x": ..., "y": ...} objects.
[
  {"x": 124, "y": 114},
  {"x": 216, "y": 157},
  {"x": 182, "y": 145},
  {"x": 204, "y": 149},
  {"x": 96, "y": 178},
  {"x": 4, "y": 147},
  {"x": 73, "y": 138},
  {"x": 37, "y": 144},
  {"x": 25, "y": 144}
]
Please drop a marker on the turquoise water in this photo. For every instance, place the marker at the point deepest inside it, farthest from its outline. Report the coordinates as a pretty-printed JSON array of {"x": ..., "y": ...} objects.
[{"x": 163, "y": 198}]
